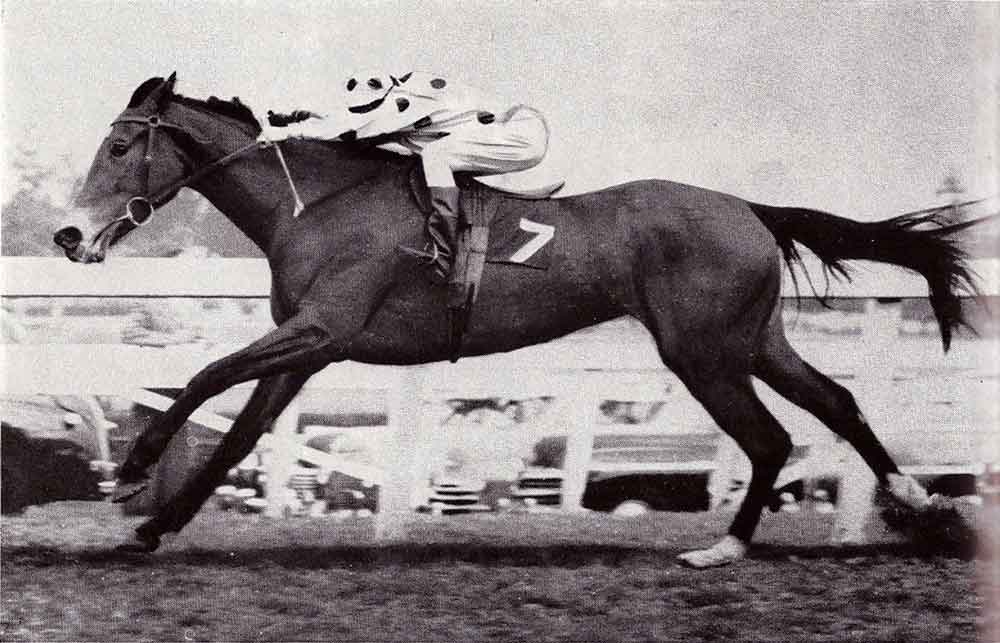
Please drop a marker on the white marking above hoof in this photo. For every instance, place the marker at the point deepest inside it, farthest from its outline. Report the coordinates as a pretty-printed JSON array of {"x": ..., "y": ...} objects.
[
  {"x": 908, "y": 491},
  {"x": 728, "y": 550}
]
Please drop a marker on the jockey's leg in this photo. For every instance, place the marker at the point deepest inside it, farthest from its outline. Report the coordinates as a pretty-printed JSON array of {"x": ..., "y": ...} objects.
[
  {"x": 510, "y": 142},
  {"x": 514, "y": 142},
  {"x": 442, "y": 224}
]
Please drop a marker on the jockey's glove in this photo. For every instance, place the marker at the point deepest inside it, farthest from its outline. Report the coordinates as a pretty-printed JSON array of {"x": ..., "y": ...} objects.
[{"x": 276, "y": 119}]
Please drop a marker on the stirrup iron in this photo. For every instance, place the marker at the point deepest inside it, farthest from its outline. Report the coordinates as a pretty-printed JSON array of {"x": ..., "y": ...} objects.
[{"x": 427, "y": 256}]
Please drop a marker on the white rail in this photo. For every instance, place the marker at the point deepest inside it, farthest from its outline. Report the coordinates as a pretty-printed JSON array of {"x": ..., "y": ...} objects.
[
  {"x": 551, "y": 368},
  {"x": 268, "y": 440}
]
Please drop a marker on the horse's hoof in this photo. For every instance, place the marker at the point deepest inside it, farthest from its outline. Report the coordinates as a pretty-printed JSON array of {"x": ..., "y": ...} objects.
[
  {"x": 728, "y": 550},
  {"x": 908, "y": 491},
  {"x": 140, "y": 544},
  {"x": 126, "y": 490}
]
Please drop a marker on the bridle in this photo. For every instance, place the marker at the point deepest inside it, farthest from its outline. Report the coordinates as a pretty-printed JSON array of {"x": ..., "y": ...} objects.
[{"x": 139, "y": 209}]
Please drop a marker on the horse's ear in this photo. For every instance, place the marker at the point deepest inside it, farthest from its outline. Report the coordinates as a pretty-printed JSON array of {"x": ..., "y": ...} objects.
[
  {"x": 166, "y": 91},
  {"x": 154, "y": 91},
  {"x": 144, "y": 91}
]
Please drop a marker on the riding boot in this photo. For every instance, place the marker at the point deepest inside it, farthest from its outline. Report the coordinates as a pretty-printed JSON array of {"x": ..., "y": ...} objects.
[
  {"x": 442, "y": 228},
  {"x": 463, "y": 283}
]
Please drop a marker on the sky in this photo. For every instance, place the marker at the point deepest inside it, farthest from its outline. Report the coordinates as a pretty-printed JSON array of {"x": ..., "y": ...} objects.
[{"x": 860, "y": 109}]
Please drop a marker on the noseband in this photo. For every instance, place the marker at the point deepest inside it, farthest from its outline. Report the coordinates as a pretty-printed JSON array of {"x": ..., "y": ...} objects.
[{"x": 139, "y": 209}]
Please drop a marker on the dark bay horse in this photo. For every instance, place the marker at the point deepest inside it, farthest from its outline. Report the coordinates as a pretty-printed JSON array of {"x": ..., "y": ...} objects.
[{"x": 700, "y": 269}]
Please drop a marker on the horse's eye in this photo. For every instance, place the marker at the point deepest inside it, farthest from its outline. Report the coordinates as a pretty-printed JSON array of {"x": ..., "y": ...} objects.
[{"x": 118, "y": 148}]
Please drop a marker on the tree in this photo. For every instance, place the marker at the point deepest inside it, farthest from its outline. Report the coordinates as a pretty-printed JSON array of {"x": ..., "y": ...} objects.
[
  {"x": 982, "y": 240},
  {"x": 35, "y": 189},
  {"x": 41, "y": 190},
  {"x": 952, "y": 188}
]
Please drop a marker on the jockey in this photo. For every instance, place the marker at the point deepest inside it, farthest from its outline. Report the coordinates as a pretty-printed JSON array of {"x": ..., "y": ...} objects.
[{"x": 452, "y": 127}]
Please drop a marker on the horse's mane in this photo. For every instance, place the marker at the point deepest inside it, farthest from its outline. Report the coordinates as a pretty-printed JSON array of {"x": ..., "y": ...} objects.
[{"x": 233, "y": 109}]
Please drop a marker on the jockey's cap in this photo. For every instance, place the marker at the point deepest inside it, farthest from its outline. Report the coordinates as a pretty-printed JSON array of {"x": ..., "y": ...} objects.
[{"x": 365, "y": 91}]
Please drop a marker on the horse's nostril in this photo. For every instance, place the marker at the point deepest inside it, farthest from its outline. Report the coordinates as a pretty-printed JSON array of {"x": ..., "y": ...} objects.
[{"x": 68, "y": 238}]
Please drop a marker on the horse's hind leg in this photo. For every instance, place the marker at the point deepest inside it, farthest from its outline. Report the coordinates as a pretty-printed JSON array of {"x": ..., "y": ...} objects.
[
  {"x": 707, "y": 327},
  {"x": 781, "y": 367},
  {"x": 730, "y": 399},
  {"x": 269, "y": 398}
]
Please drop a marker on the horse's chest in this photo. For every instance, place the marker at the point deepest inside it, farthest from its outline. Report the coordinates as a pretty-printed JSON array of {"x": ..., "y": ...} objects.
[
  {"x": 292, "y": 274},
  {"x": 302, "y": 252}
]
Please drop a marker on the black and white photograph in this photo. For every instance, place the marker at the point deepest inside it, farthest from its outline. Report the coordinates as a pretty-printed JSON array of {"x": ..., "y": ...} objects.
[{"x": 476, "y": 320}]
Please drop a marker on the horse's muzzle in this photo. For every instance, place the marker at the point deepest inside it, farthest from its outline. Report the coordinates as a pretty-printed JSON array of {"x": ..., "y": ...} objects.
[{"x": 70, "y": 239}]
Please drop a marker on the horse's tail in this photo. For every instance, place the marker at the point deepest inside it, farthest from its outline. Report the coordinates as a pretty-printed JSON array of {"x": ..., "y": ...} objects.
[{"x": 931, "y": 250}]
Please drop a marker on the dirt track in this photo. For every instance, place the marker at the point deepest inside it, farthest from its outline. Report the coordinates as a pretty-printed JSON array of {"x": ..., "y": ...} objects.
[{"x": 492, "y": 577}]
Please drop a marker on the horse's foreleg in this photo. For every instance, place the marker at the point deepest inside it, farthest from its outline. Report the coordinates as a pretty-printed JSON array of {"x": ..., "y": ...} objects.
[
  {"x": 298, "y": 345},
  {"x": 269, "y": 399},
  {"x": 735, "y": 407}
]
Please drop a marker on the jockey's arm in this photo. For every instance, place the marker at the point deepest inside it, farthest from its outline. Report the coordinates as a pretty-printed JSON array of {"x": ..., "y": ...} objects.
[{"x": 279, "y": 126}]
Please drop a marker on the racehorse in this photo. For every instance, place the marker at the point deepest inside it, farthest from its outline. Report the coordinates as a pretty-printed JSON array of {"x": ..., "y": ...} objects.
[{"x": 701, "y": 270}]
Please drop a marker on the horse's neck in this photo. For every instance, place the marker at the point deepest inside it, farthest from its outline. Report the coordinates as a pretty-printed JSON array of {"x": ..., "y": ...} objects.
[
  {"x": 256, "y": 195},
  {"x": 244, "y": 193}
]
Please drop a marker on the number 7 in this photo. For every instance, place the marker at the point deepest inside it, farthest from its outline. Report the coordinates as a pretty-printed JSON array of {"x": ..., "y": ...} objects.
[{"x": 543, "y": 234}]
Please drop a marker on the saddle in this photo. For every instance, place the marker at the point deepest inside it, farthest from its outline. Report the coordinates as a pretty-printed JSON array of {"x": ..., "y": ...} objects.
[{"x": 478, "y": 205}]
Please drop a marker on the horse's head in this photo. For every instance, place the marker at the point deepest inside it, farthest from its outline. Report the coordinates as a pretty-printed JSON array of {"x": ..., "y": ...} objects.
[{"x": 157, "y": 145}]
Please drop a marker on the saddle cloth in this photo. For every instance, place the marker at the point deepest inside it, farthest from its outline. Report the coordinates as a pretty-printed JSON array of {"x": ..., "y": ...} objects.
[{"x": 521, "y": 224}]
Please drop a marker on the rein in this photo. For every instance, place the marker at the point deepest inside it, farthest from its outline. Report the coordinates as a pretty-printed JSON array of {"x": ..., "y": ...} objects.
[{"x": 139, "y": 209}]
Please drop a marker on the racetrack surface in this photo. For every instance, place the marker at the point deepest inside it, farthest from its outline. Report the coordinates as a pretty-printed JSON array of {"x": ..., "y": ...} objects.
[{"x": 540, "y": 577}]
